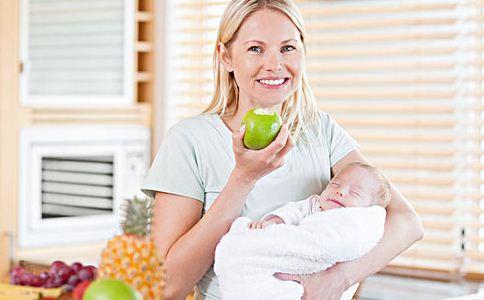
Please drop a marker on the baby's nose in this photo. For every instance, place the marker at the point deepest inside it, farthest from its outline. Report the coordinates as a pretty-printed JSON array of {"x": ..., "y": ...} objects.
[{"x": 339, "y": 193}]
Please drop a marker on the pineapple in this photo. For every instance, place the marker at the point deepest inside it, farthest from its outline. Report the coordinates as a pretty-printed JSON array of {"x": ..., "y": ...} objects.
[{"x": 132, "y": 256}]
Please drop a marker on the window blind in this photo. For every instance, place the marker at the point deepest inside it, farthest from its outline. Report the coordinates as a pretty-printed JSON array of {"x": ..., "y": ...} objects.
[
  {"x": 472, "y": 202},
  {"x": 73, "y": 50},
  {"x": 387, "y": 72},
  {"x": 405, "y": 79}
]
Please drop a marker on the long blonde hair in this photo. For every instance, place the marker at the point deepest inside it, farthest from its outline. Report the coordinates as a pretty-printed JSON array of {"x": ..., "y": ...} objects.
[{"x": 300, "y": 110}]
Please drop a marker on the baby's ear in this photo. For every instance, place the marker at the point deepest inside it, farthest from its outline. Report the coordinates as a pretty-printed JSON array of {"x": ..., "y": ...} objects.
[{"x": 224, "y": 57}]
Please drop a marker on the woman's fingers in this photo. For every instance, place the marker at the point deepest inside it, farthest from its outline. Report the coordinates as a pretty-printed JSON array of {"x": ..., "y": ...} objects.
[
  {"x": 280, "y": 142},
  {"x": 238, "y": 139},
  {"x": 280, "y": 146},
  {"x": 291, "y": 277},
  {"x": 256, "y": 225},
  {"x": 287, "y": 147},
  {"x": 254, "y": 164}
]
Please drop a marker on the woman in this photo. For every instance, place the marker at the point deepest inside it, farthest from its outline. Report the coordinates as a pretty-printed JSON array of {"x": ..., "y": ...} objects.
[{"x": 203, "y": 178}]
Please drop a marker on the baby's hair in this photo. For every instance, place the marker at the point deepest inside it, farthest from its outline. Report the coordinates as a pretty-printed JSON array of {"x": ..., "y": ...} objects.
[{"x": 384, "y": 195}]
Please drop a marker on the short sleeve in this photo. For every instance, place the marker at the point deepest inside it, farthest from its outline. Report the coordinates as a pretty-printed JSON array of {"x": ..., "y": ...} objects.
[
  {"x": 175, "y": 169},
  {"x": 340, "y": 143}
]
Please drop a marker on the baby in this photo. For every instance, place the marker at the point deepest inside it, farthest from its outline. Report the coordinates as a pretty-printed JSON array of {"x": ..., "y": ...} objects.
[
  {"x": 246, "y": 259},
  {"x": 357, "y": 185}
]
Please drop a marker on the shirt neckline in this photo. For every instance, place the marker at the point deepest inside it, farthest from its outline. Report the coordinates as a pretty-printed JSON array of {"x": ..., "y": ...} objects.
[{"x": 221, "y": 124}]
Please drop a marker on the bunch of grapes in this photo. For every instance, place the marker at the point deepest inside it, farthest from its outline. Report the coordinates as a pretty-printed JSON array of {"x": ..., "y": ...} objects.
[{"x": 60, "y": 274}]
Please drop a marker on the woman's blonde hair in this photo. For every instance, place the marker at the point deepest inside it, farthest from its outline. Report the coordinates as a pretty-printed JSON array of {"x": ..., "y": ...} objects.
[{"x": 300, "y": 109}]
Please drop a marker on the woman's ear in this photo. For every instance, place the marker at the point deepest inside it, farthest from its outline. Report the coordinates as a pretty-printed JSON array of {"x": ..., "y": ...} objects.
[{"x": 224, "y": 57}]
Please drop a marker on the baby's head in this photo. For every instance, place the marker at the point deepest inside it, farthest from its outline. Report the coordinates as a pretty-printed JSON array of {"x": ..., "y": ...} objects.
[{"x": 357, "y": 185}]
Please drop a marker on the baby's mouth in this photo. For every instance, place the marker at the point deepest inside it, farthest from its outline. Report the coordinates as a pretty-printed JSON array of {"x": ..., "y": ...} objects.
[{"x": 337, "y": 202}]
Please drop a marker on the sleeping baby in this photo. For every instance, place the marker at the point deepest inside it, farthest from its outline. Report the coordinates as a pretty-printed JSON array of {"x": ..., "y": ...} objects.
[
  {"x": 357, "y": 185},
  {"x": 343, "y": 223}
]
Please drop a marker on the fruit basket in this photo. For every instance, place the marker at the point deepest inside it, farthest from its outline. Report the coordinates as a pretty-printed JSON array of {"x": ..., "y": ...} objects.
[
  {"x": 18, "y": 292},
  {"x": 30, "y": 281},
  {"x": 10, "y": 291}
]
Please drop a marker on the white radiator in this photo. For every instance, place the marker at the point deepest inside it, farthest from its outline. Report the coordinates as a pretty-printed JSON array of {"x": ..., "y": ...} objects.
[{"x": 73, "y": 179}]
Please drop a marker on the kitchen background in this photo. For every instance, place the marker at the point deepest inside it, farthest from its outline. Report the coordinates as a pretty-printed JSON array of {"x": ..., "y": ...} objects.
[{"x": 88, "y": 89}]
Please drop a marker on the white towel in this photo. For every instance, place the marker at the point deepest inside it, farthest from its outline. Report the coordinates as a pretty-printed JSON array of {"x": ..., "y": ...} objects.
[{"x": 246, "y": 259}]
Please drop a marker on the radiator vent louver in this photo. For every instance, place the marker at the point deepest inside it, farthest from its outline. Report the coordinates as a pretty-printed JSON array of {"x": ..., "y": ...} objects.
[{"x": 77, "y": 186}]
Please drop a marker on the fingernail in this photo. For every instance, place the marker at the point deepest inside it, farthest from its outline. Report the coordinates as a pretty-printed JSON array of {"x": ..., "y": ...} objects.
[{"x": 242, "y": 128}]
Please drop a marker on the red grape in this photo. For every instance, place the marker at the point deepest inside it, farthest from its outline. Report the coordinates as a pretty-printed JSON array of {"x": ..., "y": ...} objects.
[
  {"x": 86, "y": 274},
  {"x": 93, "y": 268},
  {"x": 73, "y": 280},
  {"x": 44, "y": 276},
  {"x": 49, "y": 283},
  {"x": 56, "y": 265},
  {"x": 76, "y": 267},
  {"x": 37, "y": 281},
  {"x": 15, "y": 275},
  {"x": 26, "y": 278},
  {"x": 15, "y": 279},
  {"x": 57, "y": 282},
  {"x": 64, "y": 272},
  {"x": 17, "y": 271}
]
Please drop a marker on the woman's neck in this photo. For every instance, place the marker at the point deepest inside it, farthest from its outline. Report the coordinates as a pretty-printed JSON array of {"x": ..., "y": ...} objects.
[{"x": 232, "y": 122}]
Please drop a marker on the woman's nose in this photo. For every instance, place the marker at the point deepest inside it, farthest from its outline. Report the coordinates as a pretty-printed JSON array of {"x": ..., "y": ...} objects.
[{"x": 272, "y": 61}]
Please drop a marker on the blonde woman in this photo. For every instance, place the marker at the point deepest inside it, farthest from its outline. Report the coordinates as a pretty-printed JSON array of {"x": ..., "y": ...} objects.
[{"x": 203, "y": 178}]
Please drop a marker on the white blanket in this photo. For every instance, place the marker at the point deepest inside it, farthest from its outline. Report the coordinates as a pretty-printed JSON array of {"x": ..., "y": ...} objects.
[{"x": 246, "y": 259}]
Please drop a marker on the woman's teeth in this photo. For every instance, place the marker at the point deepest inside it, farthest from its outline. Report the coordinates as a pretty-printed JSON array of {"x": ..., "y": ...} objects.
[{"x": 272, "y": 82}]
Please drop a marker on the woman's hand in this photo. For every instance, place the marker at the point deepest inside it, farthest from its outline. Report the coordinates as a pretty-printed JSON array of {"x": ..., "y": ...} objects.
[
  {"x": 329, "y": 284},
  {"x": 259, "y": 224},
  {"x": 264, "y": 223},
  {"x": 250, "y": 165}
]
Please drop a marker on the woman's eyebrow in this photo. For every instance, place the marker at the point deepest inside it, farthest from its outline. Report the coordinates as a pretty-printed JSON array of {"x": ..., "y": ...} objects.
[{"x": 261, "y": 42}]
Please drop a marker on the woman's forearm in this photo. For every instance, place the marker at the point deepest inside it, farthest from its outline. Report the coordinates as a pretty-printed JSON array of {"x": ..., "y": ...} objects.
[
  {"x": 193, "y": 253},
  {"x": 402, "y": 228}
]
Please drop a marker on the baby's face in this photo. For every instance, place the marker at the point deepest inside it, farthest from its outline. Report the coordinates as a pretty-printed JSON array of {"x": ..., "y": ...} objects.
[{"x": 353, "y": 187}]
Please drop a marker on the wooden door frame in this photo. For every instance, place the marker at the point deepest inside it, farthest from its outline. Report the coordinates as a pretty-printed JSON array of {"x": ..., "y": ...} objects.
[{"x": 10, "y": 119}]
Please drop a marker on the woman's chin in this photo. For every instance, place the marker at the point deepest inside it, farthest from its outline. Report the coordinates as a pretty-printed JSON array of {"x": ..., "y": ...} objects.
[{"x": 268, "y": 102}]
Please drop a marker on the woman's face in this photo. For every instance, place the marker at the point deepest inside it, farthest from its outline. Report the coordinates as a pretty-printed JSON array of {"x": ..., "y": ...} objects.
[{"x": 267, "y": 59}]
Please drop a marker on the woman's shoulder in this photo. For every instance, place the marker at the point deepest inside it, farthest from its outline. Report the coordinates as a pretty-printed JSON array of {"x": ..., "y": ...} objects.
[
  {"x": 322, "y": 126},
  {"x": 325, "y": 120},
  {"x": 318, "y": 123},
  {"x": 323, "y": 116},
  {"x": 193, "y": 125}
]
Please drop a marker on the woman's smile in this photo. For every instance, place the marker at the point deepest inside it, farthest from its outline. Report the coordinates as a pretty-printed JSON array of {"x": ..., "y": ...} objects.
[{"x": 274, "y": 84}]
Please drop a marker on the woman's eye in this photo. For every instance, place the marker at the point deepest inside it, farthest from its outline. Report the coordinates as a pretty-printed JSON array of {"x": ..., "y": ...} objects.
[
  {"x": 290, "y": 48},
  {"x": 254, "y": 47}
]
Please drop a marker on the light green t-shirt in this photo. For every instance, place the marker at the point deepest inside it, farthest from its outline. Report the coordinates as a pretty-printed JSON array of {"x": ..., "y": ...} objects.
[{"x": 196, "y": 158}]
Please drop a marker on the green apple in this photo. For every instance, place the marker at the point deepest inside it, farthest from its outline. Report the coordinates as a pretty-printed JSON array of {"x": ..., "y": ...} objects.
[
  {"x": 261, "y": 128},
  {"x": 110, "y": 289}
]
